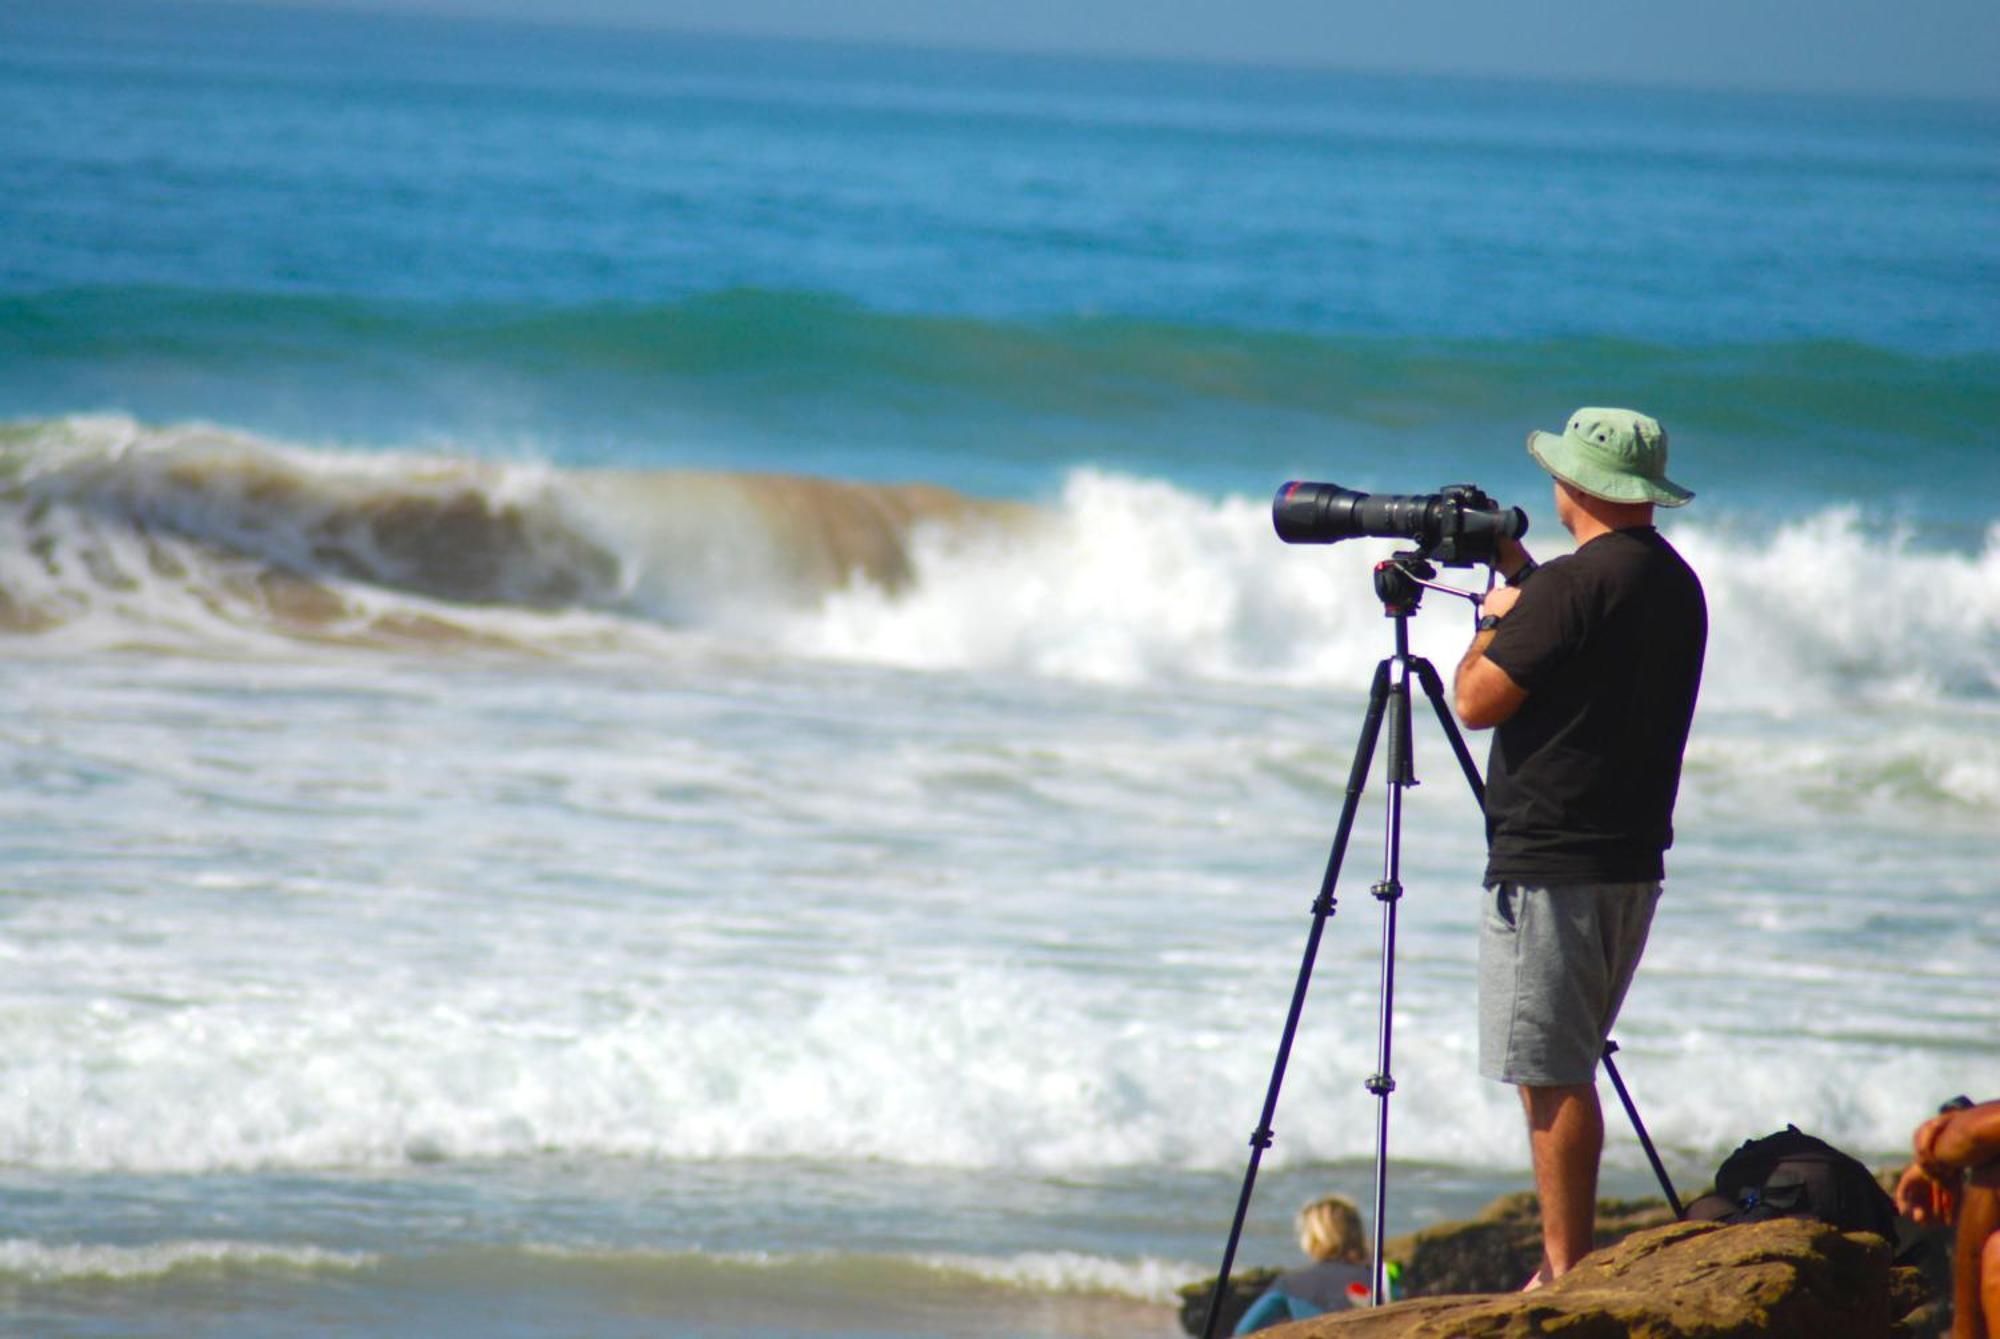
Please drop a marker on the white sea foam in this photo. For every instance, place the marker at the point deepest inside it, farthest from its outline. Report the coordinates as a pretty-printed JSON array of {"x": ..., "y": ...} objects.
[
  {"x": 1829, "y": 613},
  {"x": 1941, "y": 762},
  {"x": 1146, "y": 1280},
  {"x": 857, "y": 918},
  {"x": 45, "y": 1262},
  {"x": 1135, "y": 581},
  {"x": 1023, "y": 1070},
  {"x": 866, "y": 917}
]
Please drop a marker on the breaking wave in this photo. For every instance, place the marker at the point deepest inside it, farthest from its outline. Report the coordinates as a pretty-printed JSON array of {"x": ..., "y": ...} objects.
[{"x": 116, "y": 533}]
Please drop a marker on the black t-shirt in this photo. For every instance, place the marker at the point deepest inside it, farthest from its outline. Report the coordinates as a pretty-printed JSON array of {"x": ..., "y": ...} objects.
[{"x": 1608, "y": 643}]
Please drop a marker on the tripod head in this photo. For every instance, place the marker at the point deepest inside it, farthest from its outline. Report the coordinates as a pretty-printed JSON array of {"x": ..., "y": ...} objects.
[{"x": 1400, "y": 580}]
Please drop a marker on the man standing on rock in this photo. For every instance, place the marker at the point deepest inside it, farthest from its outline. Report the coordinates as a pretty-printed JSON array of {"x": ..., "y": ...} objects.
[{"x": 1589, "y": 666}]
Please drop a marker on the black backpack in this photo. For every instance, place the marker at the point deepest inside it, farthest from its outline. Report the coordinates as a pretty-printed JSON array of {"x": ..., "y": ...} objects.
[{"x": 1793, "y": 1175}]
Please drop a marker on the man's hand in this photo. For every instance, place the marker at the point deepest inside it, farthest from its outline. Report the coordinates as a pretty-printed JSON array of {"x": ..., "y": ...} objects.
[
  {"x": 1511, "y": 556},
  {"x": 1924, "y": 1143},
  {"x": 1922, "y": 1198}
]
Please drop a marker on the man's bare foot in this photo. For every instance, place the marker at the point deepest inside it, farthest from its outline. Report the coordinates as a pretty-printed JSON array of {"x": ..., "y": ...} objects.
[{"x": 1540, "y": 1279}]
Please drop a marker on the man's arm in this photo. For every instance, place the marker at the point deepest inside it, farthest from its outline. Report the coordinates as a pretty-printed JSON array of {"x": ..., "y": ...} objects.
[{"x": 1485, "y": 694}]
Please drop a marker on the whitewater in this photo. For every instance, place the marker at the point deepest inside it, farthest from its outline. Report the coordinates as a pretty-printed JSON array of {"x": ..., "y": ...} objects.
[
  {"x": 118, "y": 532},
  {"x": 577, "y": 863}
]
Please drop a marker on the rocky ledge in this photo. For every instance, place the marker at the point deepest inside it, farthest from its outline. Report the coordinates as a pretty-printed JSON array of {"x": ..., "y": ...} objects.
[
  {"x": 1786, "y": 1277},
  {"x": 1500, "y": 1249},
  {"x": 1650, "y": 1278},
  {"x": 1789, "y": 1276}
]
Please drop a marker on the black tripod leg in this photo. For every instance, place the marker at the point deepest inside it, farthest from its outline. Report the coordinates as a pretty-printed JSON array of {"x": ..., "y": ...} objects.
[
  {"x": 1434, "y": 690},
  {"x": 1645, "y": 1142},
  {"x": 1323, "y": 906}
]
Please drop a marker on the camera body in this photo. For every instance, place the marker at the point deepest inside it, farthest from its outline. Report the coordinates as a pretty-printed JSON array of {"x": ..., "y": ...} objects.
[{"x": 1458, "y": 526}]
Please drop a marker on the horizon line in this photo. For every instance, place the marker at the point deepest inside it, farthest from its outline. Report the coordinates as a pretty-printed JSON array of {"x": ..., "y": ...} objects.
[{"x": 421, "y": 12}]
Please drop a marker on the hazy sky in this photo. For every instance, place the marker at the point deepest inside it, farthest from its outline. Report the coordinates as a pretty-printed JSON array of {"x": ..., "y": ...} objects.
[{"x": 1946, "y": 48}]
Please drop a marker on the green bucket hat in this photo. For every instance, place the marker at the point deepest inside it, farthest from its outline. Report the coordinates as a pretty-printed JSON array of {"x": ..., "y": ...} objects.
[{"x": 1614, "y": 454}]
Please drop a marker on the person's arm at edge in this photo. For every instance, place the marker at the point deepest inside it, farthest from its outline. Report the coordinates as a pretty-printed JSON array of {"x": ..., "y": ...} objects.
[
  {"x": 1960, "y": 1139},
  {"x": 1946, "y": 1146}
]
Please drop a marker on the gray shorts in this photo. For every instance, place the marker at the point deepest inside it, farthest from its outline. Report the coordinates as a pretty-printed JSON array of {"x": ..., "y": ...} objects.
[{"x": 1553, "y": 967}]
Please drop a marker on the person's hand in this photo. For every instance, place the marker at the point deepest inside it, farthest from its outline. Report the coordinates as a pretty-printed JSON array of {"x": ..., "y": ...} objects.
[
  {"x": 1511, "y": 553},
  {"x": 1499, "y": 600},
  {"x": 1924, "y": 1199},
  {"x": 1924, "y": 1144}
]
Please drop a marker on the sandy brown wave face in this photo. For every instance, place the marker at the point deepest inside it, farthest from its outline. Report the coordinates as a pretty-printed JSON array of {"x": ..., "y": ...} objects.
[
  {"x": 805, "y": 536},
  {"x": 110, "y": 520}
]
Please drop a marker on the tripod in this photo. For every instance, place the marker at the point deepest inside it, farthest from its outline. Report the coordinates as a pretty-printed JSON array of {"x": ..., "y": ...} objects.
[{"x": 1399, "y": 584}]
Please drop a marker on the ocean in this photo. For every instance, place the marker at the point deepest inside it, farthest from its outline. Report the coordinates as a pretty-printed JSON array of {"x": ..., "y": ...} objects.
[{"x": 650, "y": 690}]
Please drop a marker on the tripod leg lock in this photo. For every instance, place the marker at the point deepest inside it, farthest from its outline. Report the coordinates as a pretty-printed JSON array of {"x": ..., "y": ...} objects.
[
  {"x": 1389, "y": 890},
  {"x": 1381, "y": 1085},
  {"x": 1324, "y": 904},
  {"x": 1261, "y": 1137}
]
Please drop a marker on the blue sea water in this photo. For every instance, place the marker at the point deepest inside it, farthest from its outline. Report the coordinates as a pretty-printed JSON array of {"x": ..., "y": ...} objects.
[
  {"x": 971, "y": 269},
  {"x": 652, "y": 689}
]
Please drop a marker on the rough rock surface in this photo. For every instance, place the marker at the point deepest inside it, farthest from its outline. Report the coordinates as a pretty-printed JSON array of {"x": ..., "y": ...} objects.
[
  {"x": 1500, "y": 1249},
  {"x": 1495, "y": 1252},
  {"x": 1786, "y": 1277}
]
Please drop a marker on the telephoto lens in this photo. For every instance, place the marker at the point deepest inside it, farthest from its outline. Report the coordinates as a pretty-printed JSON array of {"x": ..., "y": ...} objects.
[{"x": 1458, "y": 525}]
